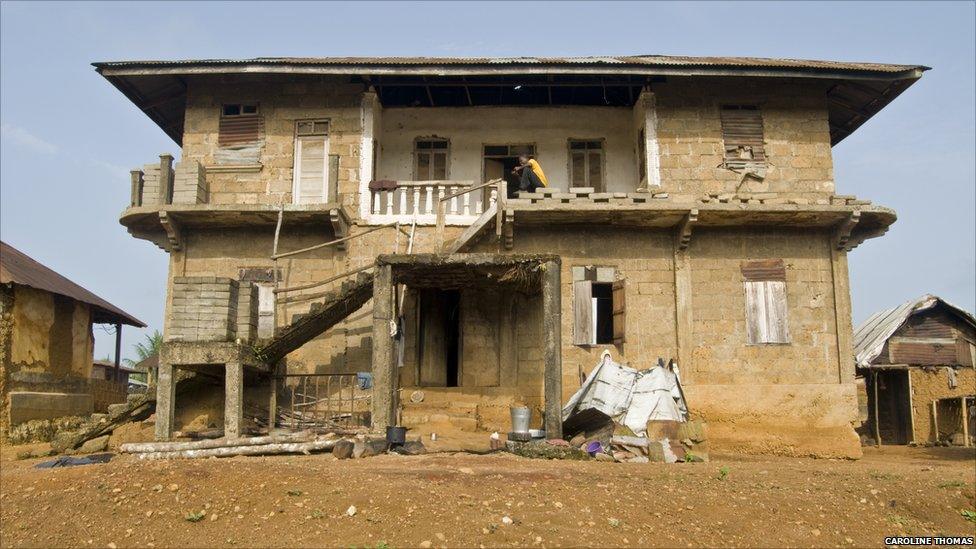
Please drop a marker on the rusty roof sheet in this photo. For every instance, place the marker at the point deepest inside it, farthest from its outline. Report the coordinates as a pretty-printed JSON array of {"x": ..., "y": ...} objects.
[
  {"x": 632, "y": 60},
  {"x": 871, "y": 335},
  {"x": 17, "y": 268}
]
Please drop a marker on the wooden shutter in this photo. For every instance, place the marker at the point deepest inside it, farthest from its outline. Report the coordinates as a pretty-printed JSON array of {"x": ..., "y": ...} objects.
[
  {"x": 310, "y": 173},
  {"x": 266, "y": 310},
  {"x": 619, "y": 312},
  {"x": 583, "y": 313},
  {"x": 239, "y": 130},
  {"x": 767, "y": 316},
  {"x": 742, "y": 132}
]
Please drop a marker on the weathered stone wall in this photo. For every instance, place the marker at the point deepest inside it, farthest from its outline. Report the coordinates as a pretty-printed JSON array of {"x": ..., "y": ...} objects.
[
  {"x": 932, "y": 384},
  {"x": 281, "y": 103},
  {"x": 796, "y": 134},
  {"x": 46, "y": 349}
]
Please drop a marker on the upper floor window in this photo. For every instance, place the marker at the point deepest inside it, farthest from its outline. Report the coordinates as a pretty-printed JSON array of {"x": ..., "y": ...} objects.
[
  {"x": 311, "y": 176},
  {"x": 430, "y": 159},
  {"x": 586, "y": 164},
  {"x": 240, "y": 124},
  {"x": 742, "y": 133}
]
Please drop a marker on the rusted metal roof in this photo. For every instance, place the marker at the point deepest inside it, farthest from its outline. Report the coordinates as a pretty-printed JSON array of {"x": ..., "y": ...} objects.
[
  {"x": 857, "y": 90},
  {"x": 626, "y": 60},
  {"x": 17, "y": 268},
  {"x": 871, "y": 335}
]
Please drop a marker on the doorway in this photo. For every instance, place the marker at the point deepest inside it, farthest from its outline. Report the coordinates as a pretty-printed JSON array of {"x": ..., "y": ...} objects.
[
  {"x": 440, "y": 338},
  {"x": 894, "y": 416},
  {"x": 500, "y": 160}
]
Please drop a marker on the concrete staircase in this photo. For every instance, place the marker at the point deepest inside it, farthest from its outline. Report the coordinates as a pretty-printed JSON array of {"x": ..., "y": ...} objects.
[
  {"x": 324, "y": 314},
  {"x": 439, "y": 412}
]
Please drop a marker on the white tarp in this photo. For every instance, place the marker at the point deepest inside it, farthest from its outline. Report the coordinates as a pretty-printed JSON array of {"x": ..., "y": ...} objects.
[{"x": 630, "y": 396}]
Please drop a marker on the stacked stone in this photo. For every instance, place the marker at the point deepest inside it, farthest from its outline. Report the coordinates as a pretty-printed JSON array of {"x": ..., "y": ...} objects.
[
  {"x": 150, "y": 185},
  {"x": 247, "y": 312},
  {"x": 204, "y": 309},
  {"x": 189, "y": 183}
]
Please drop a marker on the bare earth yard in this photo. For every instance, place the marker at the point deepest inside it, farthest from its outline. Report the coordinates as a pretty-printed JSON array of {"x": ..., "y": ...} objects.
[{"x": 463, "y": 500}]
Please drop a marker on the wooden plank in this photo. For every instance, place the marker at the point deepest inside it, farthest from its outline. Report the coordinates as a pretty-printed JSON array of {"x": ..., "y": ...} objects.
[
  {"x": 910, "y": 352},
  {"x": 765, "y": 269},
  {"x": 777, "y": 314},
  {"x": 755, "y": 317},
  {"x": 583, "y": 313},
  {"x": 619, "y": 312}
]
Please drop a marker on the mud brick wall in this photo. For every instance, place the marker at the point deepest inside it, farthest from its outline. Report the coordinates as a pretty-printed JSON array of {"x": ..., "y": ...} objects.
[
  {"x": 933, "y": 384},
  {"x": 203, "y": 309}
]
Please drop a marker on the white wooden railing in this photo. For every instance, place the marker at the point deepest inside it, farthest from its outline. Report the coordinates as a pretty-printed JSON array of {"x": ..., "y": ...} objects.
[{"x": 418, "y": 201}]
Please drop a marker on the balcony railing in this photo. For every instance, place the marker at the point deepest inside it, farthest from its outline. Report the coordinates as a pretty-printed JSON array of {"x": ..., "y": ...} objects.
[
  {"x": 166, "y": 183},
  {"x": 418, "y": 200}
]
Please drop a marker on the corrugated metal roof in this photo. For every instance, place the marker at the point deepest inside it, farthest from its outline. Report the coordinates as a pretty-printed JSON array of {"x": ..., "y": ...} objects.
[
  {"x": 17, "y": 268},
  {"x": 628, "y": 60},
  {"x": 871, "y": 335}
]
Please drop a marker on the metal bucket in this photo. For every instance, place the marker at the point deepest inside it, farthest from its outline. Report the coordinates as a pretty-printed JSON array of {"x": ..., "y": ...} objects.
[{"x": 521, "y": 416}]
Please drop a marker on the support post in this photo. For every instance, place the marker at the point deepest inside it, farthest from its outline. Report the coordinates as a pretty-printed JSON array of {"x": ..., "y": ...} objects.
[
  {"x": 877, "y": 426},
  {"x": 935, "y": 421},
  {"x": 118, "y": 350},
  {"x": 233, "y": 399},
  {"x": 165, "y": 401},
  {"x": 384, "y": 371},
  {"x": 272, "y": 400},
  {"x": 684, "y": 321},
  {"x": 965, "y": 422},
  {"x": 166, "y": 178},
  {"x": 552, "y": 348}
]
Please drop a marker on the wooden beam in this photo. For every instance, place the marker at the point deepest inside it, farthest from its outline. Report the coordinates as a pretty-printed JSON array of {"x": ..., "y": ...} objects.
[
  {"x": 877, "y": 426},
  {"x": 154, "y": 102},
  {"x": 965, "y": 422},
  {"x": 552, "y": 348},
  {"x": 383, "y": 364},
  {"x": 118, "y": 350}
]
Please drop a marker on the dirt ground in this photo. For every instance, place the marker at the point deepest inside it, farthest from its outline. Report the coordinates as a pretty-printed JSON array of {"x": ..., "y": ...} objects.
[{"x": 455, "y": 499}]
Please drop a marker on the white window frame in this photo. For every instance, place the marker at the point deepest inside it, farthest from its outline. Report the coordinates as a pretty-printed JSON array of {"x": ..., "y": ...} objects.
[
  {"x": 431, "y": 152},
  {"x": 586, "y": 162},
  {"x": 296, "y": 168}
]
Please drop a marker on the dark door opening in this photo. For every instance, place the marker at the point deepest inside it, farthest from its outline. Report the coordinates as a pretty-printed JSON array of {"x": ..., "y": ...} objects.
[
  {"x": 894, "y": 417},
  {"x": 500, "y": 160},
  {"x": 440, "y": 338}
]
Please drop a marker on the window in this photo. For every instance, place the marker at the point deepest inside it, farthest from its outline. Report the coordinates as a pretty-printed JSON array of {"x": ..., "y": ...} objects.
[
  {"x": 586, "y": 164},
  {"x": 311, "y": 178},
  {"x": 239, "y": 125},
  {"x": 598, "y": 306},
  {"x": 742, "y": 133},
  {"x": 430, "y": 159},
  {"x": 767, "y": 318}
]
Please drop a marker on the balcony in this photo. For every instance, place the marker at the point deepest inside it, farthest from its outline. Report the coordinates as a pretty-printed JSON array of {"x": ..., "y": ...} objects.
[{"x": 409, "y": 201}]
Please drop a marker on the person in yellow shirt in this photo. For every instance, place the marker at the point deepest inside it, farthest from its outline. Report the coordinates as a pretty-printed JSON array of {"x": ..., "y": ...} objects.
[{"x": 532, "y": 176}]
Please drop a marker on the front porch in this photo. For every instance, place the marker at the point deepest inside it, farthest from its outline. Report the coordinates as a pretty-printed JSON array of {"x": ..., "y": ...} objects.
[{"x": 397, "y": 380}]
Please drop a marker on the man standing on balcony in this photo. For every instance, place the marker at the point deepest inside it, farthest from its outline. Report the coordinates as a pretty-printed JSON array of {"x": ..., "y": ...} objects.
[{"x": 532, "y": 176}]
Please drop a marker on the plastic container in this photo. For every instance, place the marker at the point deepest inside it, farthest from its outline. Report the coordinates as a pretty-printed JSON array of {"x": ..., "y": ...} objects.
[{"x": 521, "y": 416}]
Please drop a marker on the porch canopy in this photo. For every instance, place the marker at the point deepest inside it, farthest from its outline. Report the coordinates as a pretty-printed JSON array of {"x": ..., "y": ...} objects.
[{"x": 523, "y": 272}]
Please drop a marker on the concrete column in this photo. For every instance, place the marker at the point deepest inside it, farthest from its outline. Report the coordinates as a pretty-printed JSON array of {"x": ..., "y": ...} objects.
[
  {"x": 684, "y": 321},
  {"x": 272, "y": 400},
  {"x": 552, "y": 348},
  {"x": 842, "y": 312},
  {"x": 384, "y": 369},
  {"x": 233, "y": 399},
  {"x": 165, "y": 401},
  {"x": 166, "y": 178}
]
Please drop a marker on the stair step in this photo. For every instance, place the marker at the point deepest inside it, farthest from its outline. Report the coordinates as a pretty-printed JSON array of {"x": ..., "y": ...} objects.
[
  {"x": 411, "y": 419},
  {"x": 456, "y": 408}
]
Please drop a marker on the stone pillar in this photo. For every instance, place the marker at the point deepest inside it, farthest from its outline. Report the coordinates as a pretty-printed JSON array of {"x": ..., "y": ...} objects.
[
  {"x": 272, "y": 399},
  {"x": 842, "y": 315},
  {"x": 384, "y": 369},
  {"x": 552, "y": 348},
  {"x": 165, "y": 401},
  {"x": 233, "y": 399},
  {"x": 166, "y": 178},
  {"x": 684, "y": 321}
]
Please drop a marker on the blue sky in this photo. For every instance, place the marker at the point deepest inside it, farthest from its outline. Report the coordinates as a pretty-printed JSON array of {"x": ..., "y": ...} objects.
[{"x": 69, "y": 138}]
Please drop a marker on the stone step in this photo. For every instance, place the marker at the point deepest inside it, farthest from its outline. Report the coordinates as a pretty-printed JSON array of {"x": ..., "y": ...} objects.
[
  {"x": 457, "y": 408},
  {"x": 416, "y": 419}
]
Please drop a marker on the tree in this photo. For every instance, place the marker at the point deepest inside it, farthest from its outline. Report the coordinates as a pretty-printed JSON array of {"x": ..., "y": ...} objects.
[{"x": 146, "y": 349}]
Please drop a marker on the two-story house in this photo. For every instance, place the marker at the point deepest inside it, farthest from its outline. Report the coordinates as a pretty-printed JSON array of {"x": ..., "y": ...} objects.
[{"x": 330, "y": 216}]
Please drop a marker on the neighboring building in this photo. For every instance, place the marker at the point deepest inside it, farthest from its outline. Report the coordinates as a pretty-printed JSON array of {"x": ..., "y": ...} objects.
[
  {"x": 918, "y": 360},
  {"x": 46, "y": 342},
  {"x": 692, "y": 213}
]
